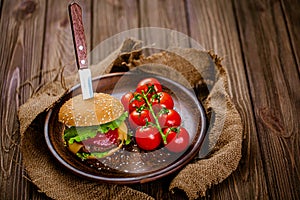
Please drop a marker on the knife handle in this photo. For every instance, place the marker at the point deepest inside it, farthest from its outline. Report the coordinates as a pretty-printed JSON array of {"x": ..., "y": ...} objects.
[{"x": 75, "y": 14}]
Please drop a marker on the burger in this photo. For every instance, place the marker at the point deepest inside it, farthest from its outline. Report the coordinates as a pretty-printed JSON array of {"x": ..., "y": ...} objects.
[{"x": 94, "y": 128}]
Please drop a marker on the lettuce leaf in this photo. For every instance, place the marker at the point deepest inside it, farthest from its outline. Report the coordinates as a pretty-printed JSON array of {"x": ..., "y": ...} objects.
[
  {"x": 85, "y": 156},
  {"x": 79, "y": 134},
  {"x": 104, "y": 128}
]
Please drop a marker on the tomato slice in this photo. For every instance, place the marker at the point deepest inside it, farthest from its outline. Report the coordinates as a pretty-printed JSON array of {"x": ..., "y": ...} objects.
[
  {"x": 107, "y": 139},
  {"x": 102, "y": 142}
]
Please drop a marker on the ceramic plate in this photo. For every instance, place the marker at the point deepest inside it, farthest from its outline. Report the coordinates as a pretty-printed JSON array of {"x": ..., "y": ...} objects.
[{"x": 129, "y": 164}]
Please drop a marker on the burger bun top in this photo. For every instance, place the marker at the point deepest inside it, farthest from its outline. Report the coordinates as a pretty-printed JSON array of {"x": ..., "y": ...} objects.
[{"x": 101, "y": 109}]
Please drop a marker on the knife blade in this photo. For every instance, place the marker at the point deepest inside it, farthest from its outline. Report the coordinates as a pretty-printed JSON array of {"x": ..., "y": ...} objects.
[{"x": 80, "y": 46}]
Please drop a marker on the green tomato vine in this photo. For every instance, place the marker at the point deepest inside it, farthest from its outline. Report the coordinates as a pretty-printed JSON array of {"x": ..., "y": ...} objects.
[{"x": 157, "y": 125}]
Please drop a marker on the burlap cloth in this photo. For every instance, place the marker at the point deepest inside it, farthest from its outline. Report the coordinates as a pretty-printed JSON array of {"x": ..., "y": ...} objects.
[{"x": 195, "y": 178}]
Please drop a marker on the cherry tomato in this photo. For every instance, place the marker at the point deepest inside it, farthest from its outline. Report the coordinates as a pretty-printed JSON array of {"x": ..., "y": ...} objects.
[
  {"x": 140, "y": 118},
  {"x": 148, "y": 138},
  {"x": 147, "y": 83},
  {"x": 125, "y": 100},
  {"x": 156, "y": 108},
  {"x": 177, "y": 139},
  {"x": 132, "y": 101},
  {"x": 169, "y": 118},
  {"x": 163, "y": 99},
  {"x": 136, "y": 102}
]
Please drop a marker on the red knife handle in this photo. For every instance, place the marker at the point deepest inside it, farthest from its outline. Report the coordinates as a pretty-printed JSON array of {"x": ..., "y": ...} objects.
[{"x": 79, "y": 40}]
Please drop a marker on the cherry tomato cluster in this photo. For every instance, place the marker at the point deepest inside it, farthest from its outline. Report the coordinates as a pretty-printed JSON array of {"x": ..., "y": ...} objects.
[{"x": 153, "y": 117}]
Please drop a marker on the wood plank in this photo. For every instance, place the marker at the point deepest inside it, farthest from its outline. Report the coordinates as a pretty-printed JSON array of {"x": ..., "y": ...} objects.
[
  {"x": 1, "y": 6},
  {"x": 213, "y": 25},
  {"x": 58, "y": 46},
  {"x": 274, "y": 83},
  {"x": 21, "y": 26},
  {"x": 292, "y": 19},
  {"x": 167, "y": 15},
  {"x": 111, "y": 17}
]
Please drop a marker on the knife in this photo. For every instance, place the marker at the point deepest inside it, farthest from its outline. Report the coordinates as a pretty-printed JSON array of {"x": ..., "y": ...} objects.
[{"x": 80, "y": 46}]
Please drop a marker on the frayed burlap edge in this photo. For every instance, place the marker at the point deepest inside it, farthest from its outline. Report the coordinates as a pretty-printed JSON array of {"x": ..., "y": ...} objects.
[{"x": 225, "y": 154}]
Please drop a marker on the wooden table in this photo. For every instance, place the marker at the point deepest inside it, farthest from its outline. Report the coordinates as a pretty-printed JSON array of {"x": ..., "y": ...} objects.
[{"x": 259, "y": 41}]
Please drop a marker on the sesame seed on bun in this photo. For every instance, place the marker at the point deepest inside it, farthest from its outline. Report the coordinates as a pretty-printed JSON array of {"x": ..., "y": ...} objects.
[{"x": 101, "y": 109}]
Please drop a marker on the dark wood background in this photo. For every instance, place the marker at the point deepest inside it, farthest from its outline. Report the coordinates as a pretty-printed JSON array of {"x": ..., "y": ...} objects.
[{"x": 258, "y": 39}]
